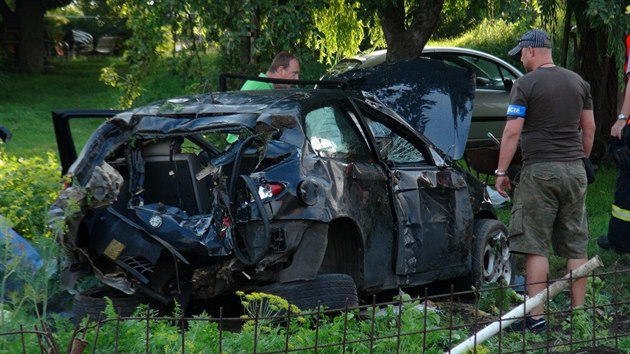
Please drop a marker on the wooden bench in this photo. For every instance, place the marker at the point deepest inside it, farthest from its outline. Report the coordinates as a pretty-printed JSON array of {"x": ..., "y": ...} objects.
[{"x": 107, "y": 45}]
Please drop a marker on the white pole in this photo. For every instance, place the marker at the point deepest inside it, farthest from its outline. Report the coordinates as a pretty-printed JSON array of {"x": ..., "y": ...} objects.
[{"x": 522, "y": 310}]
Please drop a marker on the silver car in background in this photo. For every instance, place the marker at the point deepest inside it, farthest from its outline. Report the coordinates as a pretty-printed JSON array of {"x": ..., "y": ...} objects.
[{"x": 494, "y": 80}]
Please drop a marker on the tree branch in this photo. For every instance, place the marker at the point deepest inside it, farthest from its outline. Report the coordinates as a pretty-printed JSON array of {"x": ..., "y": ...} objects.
[
  {"x": 407, "y": 43},
  {"x": 392, "y": 18},
  {"x": 53, "y": 4}
]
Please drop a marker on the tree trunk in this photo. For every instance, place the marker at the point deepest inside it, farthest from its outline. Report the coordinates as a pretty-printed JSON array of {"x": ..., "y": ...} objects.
[
  {"x": 407, "y": 43},
  {"x": 601, "y": 72},
  {"x": 30, "y": 15},
  {"x": 566, "y": 33}
]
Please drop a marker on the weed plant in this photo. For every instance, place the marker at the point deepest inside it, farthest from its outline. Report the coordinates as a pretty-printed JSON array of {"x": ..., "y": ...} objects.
[
  {"x": 403, "y": 326},
  {"x": 28, "y": 187},
  {"x": 398, "y": 328}
]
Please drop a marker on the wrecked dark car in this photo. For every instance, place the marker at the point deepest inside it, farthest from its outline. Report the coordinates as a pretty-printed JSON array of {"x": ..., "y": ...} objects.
[{"x": 312, "y": 194}]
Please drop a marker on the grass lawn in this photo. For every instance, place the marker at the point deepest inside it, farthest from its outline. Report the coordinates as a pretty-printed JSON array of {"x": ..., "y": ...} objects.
[
  {"x": 26, "y": 101},
  {"x": 598, "y": 202}
]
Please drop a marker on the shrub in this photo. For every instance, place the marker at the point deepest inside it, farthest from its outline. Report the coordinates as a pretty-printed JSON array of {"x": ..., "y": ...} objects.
[{"x": 28, "y": 187}]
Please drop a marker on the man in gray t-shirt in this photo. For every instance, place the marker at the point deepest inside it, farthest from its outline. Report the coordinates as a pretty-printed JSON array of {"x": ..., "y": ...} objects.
[
  {"x": 551, "y": 114},
  {"x": 551, "y": 129}
]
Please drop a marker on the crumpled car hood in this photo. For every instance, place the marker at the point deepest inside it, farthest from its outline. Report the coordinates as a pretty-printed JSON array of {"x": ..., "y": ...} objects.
[{"x": 435, "y": 98}]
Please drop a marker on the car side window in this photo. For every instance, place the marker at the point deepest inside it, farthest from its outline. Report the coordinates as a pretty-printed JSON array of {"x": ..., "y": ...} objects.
[
  {"x": 493, "y": 74},
  {"x": 391, "y": 145},
  {"x": 332, "y": 134},
  {"x": 394, "y": 148},
  {"x": 489, "y": 75},
  {"x": 507, "y": 75}
]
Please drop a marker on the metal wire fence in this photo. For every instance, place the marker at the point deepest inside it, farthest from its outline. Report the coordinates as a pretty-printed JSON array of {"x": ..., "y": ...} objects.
[{"x": 409, "y": 324}]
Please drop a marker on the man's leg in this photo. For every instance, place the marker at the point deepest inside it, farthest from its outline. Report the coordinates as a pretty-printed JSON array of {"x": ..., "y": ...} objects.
[
  {"x": 619, "y": 224},
  {"x": 537, "y": 268},
  {"x": 578, "y": 288}
]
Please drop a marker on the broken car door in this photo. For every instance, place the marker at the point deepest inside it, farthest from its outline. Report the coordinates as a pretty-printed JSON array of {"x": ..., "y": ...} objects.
[{"x": 426, "y": 195}]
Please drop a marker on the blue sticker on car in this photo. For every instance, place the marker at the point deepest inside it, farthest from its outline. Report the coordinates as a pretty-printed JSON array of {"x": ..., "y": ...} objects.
[{"x": 516, "y": 110}]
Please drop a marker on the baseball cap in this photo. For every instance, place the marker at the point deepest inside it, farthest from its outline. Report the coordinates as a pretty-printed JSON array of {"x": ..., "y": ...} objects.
[{"x": 533, "y": 38}]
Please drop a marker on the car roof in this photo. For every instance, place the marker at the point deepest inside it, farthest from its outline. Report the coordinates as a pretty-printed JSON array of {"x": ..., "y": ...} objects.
[
  {"x": 235, "y": 102},
  {"x": 378, "y": 56}
]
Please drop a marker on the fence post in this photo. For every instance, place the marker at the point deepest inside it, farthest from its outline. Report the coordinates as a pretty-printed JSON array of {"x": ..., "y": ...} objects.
[{"x": 372, "y": 324}]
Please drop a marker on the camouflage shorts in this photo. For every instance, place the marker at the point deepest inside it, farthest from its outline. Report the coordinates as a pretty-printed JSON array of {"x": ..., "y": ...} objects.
[{"x": 549, "y": 209}]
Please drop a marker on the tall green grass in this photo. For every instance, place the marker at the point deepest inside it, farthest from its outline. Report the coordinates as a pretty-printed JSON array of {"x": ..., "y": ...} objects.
[
  {"x": 598, "y": 202},
  {"x": 496, "y": 37}
]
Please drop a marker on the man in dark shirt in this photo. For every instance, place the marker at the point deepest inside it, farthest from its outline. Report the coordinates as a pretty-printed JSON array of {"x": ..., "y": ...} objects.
[
  {"x": 618, "y": 236},
  {"x": 551, "y": 114}
]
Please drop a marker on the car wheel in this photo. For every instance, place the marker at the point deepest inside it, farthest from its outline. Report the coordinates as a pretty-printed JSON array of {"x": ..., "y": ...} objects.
[
  {"x": 334, "y": 291},
  {"x": 92, "y": 303},
  {"x": 492, "y": 260}
]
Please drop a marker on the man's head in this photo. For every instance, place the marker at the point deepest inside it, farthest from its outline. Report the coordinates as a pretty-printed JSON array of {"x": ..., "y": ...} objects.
[
  {"x": 534, "y": 48},
  {"x": 284, "y": 66},
  {"x": 531, "y": 39}
]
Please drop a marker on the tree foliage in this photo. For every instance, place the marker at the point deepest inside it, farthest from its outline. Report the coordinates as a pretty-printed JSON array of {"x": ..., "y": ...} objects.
[
  {"x": 339, "y": 30},
  {"x": 460, "y": 16},
  {"x": 249, "y": 33},
  {"x": 243, "y": 31},
  {"x": 589, "y": 34},
  {"x": 97, "y": 18},
  {"x": 592, "y": 33},
  {"x": 159, "y": 29},
  {"x": 265, "y": 27}
]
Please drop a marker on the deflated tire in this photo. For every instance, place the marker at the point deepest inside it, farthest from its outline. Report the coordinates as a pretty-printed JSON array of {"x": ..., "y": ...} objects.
[{"x": 334, "y": 291}]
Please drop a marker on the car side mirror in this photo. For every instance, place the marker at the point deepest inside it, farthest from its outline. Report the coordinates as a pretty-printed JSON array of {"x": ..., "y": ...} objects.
[{"x": 508, "y": 84}]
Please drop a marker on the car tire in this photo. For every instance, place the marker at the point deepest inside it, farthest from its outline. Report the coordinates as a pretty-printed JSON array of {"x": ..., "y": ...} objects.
[
  {"x": 92, "y": 303},
  {"x": 491, "y": 256},
  {"x": 334, "y": 291}
]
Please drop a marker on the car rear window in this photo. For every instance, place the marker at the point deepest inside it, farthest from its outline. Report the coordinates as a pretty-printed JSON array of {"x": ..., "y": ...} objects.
[{"x": 343, "y": 66}]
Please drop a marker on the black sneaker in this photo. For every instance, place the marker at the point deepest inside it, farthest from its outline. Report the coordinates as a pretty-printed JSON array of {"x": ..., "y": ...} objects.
[
  {"x": 529, "y": 323},
  {"x": 604, "y": 243}
]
